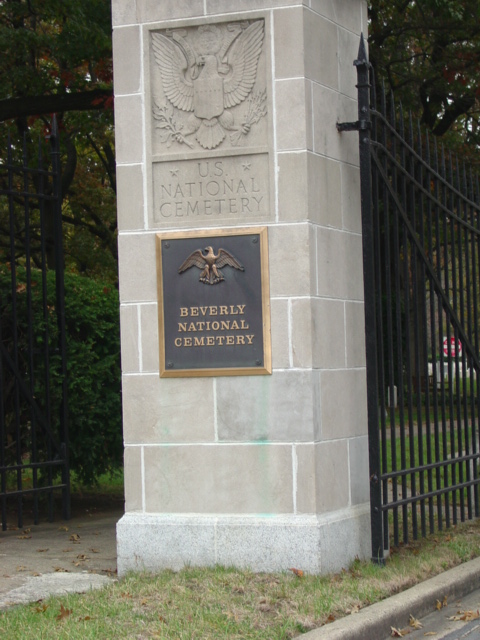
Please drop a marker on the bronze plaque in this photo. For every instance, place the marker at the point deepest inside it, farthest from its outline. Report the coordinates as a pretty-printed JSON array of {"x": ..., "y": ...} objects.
[{"x": 214, "y": 302}]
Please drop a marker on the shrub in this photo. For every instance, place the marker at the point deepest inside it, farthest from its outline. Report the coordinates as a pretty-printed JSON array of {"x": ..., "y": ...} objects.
[{"x": 93, "y": 365}]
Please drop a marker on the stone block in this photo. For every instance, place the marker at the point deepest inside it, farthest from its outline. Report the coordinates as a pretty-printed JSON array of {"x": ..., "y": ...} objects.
[
  {"x": 301, "y": 333},
  {"x": 309, "y": 126},
  {"x": 133, "y": 479},
  {"x": 253, "y": 479},
  {"x": 227, "y": 6},
  {"x": 359, "y": 470},
  {"x": 173, "y": 410},
  {"x": 340, "y": 264},
  {"x": 279, "y": 318},
  {"x": 293, "y": 187},
  {"x": 220, "y": 190},
  {"x": 150, "y": 543},
  {"x": 305, "y": 478},
  {"x": 124, "y": 12},
  {"x": 136, "y": 267},
  {"x": 126, "y": 50},
  {"x": 290, "y": 270},
  {"x": 351, "y": 203},
  {"x": 331, "y": 476},
  {"x": 276, "y": 544},
  {"x": 348, "y": 43},
  {"x": 128, "y": 129},
  {"x": 279, "y": 408},
  {"x": 149, "y": 337},
  {"x": 288, "y": 43},
  {"x": 129, "y": 338},
  {"x": 328, "y": 338},
  {"x": 347, "y": 13},
  {"x": 355, "y": 334},
  {"x": 321, "y": 50},
  {"x": 156, "y": 10},
  {"x": 290, "y": 103},
  {"x": 344, "y": 535},
  {"x": 324, "y": 191},
  {"x": 330, "y": 107},
  {"x": 343, "y": 403},
  {"x": 130, "y": 201}
]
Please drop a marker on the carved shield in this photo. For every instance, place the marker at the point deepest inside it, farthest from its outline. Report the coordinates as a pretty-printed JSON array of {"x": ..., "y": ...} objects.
[{"x": 208, "y": 97}]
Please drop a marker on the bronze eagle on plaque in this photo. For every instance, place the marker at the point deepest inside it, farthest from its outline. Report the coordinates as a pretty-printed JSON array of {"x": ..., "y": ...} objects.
[{"x": 210, "y": 264}]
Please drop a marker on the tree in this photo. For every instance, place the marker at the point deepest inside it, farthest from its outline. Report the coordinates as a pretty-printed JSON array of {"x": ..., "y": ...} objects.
[
  {"x": 428, "y": 53},
  {"x": 56, "y": 57}
]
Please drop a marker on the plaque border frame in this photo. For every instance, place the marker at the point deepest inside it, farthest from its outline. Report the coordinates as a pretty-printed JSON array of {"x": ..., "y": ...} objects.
[{"x": 262, "y": 232}]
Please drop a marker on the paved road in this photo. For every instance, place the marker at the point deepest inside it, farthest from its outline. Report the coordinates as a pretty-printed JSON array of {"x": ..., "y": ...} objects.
[{"x": 451, "y": 622}]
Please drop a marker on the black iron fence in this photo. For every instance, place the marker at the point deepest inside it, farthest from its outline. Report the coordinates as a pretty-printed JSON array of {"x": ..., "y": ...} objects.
[
  {"x": 421, "y": 242},
  {"x": 33, "y": 423}
]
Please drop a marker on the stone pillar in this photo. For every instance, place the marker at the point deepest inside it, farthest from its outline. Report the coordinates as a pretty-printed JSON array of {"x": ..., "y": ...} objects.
[{"x": 265, "y": 471}]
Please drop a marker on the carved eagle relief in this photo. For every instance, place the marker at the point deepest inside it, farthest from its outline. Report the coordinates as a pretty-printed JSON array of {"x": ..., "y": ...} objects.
[
  {"x": 209, "y": 78},
  {"x": 210, "y": 264}
]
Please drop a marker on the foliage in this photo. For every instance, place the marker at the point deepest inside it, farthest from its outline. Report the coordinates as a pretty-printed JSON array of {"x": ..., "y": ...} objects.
[
  {"x": 57, "y": 57},
  {"x": 93, "y": 361},
  {"x": 428, "y": 53}
]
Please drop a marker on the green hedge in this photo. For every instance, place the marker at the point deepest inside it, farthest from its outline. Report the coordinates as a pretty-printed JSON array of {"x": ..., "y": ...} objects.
[{"x": 93, "y": 365}]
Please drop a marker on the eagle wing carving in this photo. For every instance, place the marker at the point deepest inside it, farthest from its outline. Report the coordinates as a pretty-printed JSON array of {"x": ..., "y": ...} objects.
[
  {"x": 243, "y": 60},
  {"x": 173, "y": 66}
]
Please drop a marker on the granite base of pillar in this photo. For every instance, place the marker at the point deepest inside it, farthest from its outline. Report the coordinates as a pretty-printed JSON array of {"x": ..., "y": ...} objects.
[{"x": 314, "y": 544}]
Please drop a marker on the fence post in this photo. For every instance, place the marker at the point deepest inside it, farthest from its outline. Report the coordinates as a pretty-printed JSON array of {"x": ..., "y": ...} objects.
[
  {"x": 60, "y": 295},
  {"x": 363, "y": 126}
]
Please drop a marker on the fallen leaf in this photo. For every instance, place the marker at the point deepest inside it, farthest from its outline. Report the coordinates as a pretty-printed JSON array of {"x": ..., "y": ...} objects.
[
  {"x": 466, "y": 616},
  {"x": 413, "y": 622},
  {"x": 82, "y": 556},
  {"x": 36, "y": 575},
  {"x": 396, "y": 633},
  {"x": 94, "y": 550},
  {"x": 27, "y": 530},
  {"x": 440, "y": 605},
  {"x": 64, "y": 613},
  {"x": 42, "y": 550},
  {"x": 297, "y": 572},
  {"x": 63, "y": 528},
  {"x": 41, "y": 609},
  {"x": 61, "y": 570},
  {"x": 21, "y": 568},
  {"x": 74, "y": 537},
  {"x": 162, "y": 619},
  {"x": 24, "y": 537},
  {"x": 430, "y": 633},
  {"x": 331, "y": 618},
  {"x": 355, "y": 609},
  {"x": 84, "y": 618}
]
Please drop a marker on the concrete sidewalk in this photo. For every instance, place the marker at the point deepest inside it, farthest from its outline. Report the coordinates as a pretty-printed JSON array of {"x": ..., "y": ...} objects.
[{"x": 58, "y": 557}]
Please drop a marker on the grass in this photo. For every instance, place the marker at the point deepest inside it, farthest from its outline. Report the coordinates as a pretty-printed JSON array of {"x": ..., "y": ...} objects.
[{"x": 229, "y": 603}]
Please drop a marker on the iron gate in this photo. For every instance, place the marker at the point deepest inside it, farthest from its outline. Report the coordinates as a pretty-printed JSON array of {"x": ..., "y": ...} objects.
[
  {"x": 33, "y": 412},
  {"x": 421, "y": 248}
]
